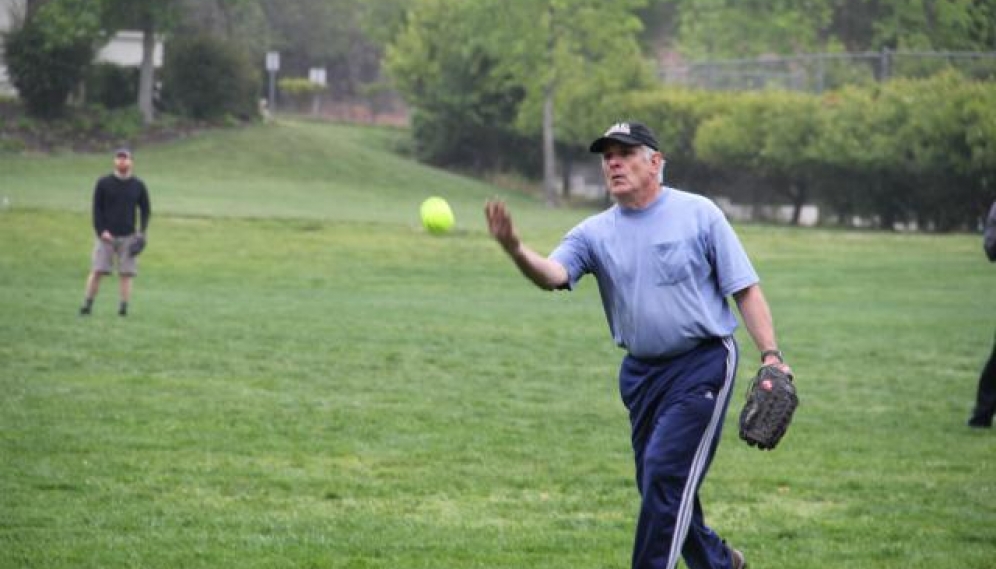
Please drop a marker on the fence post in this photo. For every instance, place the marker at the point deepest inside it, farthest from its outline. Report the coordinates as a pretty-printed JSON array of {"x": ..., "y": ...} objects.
[
  {"x": 820, "y": 72},
  {"x": 884, "y": 65}
]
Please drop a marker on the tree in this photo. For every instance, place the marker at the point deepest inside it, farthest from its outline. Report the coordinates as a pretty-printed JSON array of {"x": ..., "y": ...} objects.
[
  {"x": 722, "y": 29},
  {"x": 208, "y": 77},
  {"x": 936, "y": 24},
  {"x": 382, "y": 20},
  {"x": 49, "y": 54},
  {"x": 570, "y": 57},
  {"x": 561, "y": 59},
  {"x": 325, "y": 33},
  {"x": 150, "y": 17},
  {"x": 464, "y": 102}
]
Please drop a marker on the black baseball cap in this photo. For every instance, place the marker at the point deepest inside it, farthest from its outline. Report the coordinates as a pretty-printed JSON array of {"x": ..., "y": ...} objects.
[
  {"x": 122, "y": 152},
  {"x": 628, "y": 133}
]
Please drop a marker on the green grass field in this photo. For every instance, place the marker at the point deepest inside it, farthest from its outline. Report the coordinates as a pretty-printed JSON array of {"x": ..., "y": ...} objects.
[{"x": 309, "y": 380}]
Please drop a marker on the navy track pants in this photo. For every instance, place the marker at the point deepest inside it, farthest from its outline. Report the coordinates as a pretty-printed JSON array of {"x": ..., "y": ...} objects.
[
  {"x": 676, "y": 408},
  {"x": 985, "y": 398}
]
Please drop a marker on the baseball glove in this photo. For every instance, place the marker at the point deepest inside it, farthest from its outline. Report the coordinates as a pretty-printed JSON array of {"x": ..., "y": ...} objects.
[
  {"x": 137, "y": 246},
  {"x": 771, "y": 401}
]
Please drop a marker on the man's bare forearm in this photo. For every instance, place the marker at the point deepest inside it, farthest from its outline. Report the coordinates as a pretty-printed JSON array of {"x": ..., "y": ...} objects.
[
  {"x": 543, "y": 272},
  {"x": 757, "y": 317}
]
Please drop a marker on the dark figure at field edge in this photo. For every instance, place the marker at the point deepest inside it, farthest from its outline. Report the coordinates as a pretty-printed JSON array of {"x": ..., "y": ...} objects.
[
  {"x": 985, "y": 398},
  {"x": 117, "y": 198},
  {"x": 665, "y": 262}
]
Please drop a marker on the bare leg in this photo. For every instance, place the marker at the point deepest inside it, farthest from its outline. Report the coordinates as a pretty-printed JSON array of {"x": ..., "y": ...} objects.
[
  {"x": 92, "y": 287},
  {"x": 125, "y": 286}
]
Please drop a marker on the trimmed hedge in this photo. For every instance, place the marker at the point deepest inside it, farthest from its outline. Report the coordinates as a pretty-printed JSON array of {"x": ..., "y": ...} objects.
[{"x": 920, "y": 151}]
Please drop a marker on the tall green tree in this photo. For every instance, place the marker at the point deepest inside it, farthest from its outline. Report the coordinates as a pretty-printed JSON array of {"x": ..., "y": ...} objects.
[
  {"x": 964, "y": 25},
  {"x": 464, "y": 100},
  {"x": 240, "y": 21},
  {"x": 568, "y": 54},
  {"x": 723, "y": 29},
  {"x": 563, "y": 60},
  {"x": 382, "y": 20}
]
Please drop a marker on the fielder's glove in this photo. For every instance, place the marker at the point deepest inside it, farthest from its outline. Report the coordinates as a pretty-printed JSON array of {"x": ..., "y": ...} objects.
[
  {"x": 771, "y": 401},
  {"x": 137, "y": 246}
]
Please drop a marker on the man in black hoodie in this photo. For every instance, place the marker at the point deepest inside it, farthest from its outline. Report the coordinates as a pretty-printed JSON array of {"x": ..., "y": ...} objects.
[
  {"x": 985, "y": 399},
  {"x": 117, "y": 198}
]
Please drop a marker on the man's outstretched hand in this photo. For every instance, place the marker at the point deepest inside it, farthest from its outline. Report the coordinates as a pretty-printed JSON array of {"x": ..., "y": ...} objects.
[{"x": 500, "y": 225}]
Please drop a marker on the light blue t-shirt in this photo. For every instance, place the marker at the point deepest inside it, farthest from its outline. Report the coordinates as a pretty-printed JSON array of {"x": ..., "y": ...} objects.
[{"x": 663, "y": 272}]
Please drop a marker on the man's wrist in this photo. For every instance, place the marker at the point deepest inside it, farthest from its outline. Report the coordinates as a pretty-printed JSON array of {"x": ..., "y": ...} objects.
[
  {"x": 514, "y": 250},
  {"x": 774, "y": 353}
]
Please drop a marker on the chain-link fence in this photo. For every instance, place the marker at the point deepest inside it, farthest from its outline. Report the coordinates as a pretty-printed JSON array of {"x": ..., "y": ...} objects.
[{"x": 818, "y": 72}]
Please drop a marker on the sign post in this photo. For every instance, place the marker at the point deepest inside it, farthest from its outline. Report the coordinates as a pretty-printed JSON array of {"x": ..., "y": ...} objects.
[
  {"x": 272, "y": 66},
  {"x": 317, "y": 76}
]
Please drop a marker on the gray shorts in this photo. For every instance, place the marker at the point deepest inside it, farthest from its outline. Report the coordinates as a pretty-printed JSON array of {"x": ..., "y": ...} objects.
[{"x": 106, "y": 254}]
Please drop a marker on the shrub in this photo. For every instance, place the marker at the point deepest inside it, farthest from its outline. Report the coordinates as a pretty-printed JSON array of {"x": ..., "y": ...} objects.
[
  {"x": 122, "y": 124},
  {"x": 298, "y": 92},
  {"x": 44, "y": 73},
  {"x": 906, "y": 150},
  {"x": 11, "y": 145},
  {"x": 208, "y": 78},
  {"x": 297, "y": 86},
  {"x": 112, "y": 86}
]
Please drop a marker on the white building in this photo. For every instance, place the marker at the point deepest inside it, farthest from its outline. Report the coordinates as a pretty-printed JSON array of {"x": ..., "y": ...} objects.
[
  {"x": 9, "y": 10},
  {"x": 124, "y": 49}
]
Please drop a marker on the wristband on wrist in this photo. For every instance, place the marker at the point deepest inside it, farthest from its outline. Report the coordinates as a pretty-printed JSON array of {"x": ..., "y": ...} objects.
[{"x": 777, "y": 353}]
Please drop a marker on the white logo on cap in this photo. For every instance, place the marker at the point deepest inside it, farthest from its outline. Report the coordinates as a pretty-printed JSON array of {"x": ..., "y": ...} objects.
[{"x": 621, "y": 127}]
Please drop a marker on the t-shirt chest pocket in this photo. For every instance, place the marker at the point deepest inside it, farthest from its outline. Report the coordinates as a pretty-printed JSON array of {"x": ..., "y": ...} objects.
[{"x": 674, "y": 262}]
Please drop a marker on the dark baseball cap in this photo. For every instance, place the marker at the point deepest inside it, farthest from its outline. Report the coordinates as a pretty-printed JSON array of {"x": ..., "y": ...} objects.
[
  {"x": 628, "y": 133},
  {"x": 122, "y": 152}
]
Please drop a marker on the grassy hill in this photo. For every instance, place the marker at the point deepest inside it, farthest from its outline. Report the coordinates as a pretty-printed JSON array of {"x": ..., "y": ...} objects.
[
  {"x": 309, "y": 379},
  {"x": 285, "y": 169}
]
